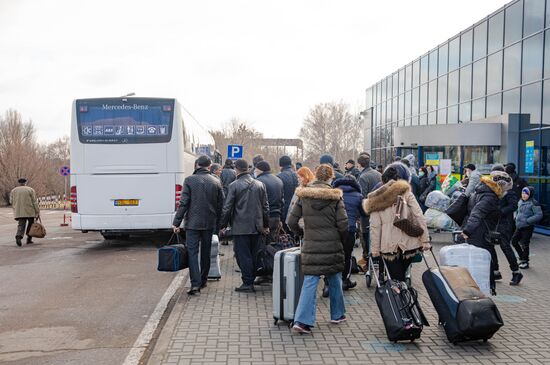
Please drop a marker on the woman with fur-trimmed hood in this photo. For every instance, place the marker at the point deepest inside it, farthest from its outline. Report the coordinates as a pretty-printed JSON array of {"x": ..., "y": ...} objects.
[
  {"x": 396, "y": 247},
  {"x": 325, "y": 230}
]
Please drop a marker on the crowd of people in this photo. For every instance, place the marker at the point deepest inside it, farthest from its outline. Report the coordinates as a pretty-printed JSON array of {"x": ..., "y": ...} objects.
[{"x": 328, "y": 209}]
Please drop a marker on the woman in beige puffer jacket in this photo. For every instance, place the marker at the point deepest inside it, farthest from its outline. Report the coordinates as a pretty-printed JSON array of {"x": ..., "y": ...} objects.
[{"x": 397, "y": 248}]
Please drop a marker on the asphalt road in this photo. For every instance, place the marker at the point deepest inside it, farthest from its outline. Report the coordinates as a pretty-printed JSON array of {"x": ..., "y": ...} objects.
[{"x": 73, "y": 298}]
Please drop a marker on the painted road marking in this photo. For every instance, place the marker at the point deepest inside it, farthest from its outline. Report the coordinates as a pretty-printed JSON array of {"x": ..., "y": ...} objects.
[{"x": 146, "y": 335}]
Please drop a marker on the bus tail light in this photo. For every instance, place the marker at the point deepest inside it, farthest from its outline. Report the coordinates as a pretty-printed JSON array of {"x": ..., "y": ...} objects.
[
  {"x": 179, "y": 189},
  {"x": 74, "y": 205}
]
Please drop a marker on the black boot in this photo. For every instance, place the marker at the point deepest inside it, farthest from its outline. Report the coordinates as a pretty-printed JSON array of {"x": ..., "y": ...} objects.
[
  {"x": 497, "y": 275},
  {"x": 18, "y": 240},
  {"x": 29, "y": 241},
  {"x": 348, "y": 284},
  {"x": 516, "y": 278}
]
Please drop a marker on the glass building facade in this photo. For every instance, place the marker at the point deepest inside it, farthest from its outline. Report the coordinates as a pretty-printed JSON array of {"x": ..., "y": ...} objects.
[{"x": 498, "y": 66}]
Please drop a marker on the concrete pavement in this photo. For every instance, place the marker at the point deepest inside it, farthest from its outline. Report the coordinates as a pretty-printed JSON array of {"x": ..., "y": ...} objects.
[{"x": 220, "y": 326}]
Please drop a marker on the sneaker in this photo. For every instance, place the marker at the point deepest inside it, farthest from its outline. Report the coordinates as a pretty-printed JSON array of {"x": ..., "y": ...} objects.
[
  {"x": 339, "y": 320},
  {"x": 524, "y": 265},
  {"x": 193, "y": 291},
  {"x": 516, "y": 278},
  {"x": 245, "y": 289},
  {"x": 348, "y": 284},
  {"x": 18, "y": 241},
  {"x": 497, "y": 275},
  {"x": 301, "y": 328}
]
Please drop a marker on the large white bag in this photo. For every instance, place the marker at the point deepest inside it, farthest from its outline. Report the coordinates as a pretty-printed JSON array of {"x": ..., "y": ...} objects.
[
  {"x": 214, "y": 272},
  {"x": 476, "y": 260},
  {"x": 439, "y": 220},
  {"x": 437, "y": 200}
]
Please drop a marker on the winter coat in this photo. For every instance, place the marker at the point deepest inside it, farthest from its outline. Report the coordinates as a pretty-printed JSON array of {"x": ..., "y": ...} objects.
[
  {"x": 201, "y": 202},
  {"x": 246, "y": 207},
  {"x": 325, "y": 228},
  {"x": 473, "y": 181},
  {"x": 352, "y": 201},
  {"x": 227, "y": 176},
  {"x": 507, "y": 205},
  {"x": 518, "y": 184},
  {"x": 415, "y": 186},
  {"x": 275, "y": 193},
  {"x": 483, "y": 212},
  {"x": 290, "y": 183},
  {"x": 529, "y": 212},
  {"x": 354, "y": 171},
  {"x": 431, "y": 186},
  {"x": 24, "y": 202},
  {"x": 368, "y": 180},
  {"x": 387, "y": 239}
]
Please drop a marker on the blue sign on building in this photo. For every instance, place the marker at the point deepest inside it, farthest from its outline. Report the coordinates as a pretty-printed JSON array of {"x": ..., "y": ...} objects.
[
  {"x": 529, "y": 157},
  {"x": 234, "y": 151}
]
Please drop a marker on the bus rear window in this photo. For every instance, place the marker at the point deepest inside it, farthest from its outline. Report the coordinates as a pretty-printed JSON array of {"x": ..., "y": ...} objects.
[{"x": 126, "y": 121}]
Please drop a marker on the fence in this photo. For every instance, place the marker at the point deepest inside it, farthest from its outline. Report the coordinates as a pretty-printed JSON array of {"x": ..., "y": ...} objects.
[{"x": 53, "y": 202}]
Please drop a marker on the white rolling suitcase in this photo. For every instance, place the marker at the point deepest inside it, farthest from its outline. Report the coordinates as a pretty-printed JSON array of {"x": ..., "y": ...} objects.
[
  {"x": 214, "y": 272},
  {"x": 476, "y": 260},
  {"x": 287, "y": 284}
]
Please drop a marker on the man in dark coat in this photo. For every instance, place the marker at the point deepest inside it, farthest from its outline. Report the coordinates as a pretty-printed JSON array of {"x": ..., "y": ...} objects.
[
  {"x": 352, "y": 170},
  {"x": 201, "y": 205},
  {"x": 483, "y": 214},
  {"x": 228, "y": 175},
  {"x": 329, "y": 160},
  {"x": 290, "y": 183},
  {"x": 518, "y": 182},
  {"x": 246, "y": 208},
  {"x": 275, "y": 195}
]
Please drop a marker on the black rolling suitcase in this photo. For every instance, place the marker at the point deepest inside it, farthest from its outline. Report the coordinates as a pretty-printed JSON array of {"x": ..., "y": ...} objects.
[
  {"x": 398, "y": 304},
  {"x": 464, "y": 311}
]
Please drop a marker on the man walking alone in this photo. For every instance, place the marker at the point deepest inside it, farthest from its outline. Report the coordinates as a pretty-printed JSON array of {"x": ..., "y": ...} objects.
[
  {"x": 201, "y": 204},
  {"x": 25, "y": 209},
  {"x": 247, "y": 210}
]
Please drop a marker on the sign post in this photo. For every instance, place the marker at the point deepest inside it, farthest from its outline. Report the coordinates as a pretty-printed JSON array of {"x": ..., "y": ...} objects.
[
  {"x": 234, "y": 151},
  {"x": 64, "y": 171}
]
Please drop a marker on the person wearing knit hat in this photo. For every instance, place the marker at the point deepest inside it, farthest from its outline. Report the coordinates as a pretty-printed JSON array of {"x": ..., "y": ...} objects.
[
  {"x": 327, "y": 159},
  {"x": 507, "y": 206},
  {"x": 528, "y": 214},
  {"x": 275, "y": 191},
  {"x": 290, "y": 183}
]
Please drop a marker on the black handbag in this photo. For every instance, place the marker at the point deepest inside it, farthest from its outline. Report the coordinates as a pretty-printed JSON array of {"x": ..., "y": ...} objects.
[
  {"x": 458, "y": 209},
  {"x": 493, "y": 236}
]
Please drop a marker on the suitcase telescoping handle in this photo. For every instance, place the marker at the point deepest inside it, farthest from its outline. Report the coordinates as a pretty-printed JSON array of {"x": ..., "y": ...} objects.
[
  {"x": 426, "y": 260},
  {"x": 371, "y": 264}
]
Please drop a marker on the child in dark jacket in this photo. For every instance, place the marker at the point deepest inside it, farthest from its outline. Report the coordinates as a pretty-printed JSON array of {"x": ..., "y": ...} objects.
[
  {"x": 352, "y": 203},
  {"x": 528, "y": 214}
]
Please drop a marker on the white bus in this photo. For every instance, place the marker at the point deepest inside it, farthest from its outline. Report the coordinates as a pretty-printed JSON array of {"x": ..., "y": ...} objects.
[{"x": 129, "y": 157}]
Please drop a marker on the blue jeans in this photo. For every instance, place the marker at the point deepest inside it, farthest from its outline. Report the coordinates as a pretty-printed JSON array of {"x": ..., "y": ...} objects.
[
  {"x": 194, "y": 240},
  {"x": 307, "y": 305},
  {"x": 246, "y": 251}
]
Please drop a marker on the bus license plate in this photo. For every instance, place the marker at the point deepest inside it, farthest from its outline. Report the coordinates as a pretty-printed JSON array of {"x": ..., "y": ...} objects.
[{"x": 126, "y": 202}]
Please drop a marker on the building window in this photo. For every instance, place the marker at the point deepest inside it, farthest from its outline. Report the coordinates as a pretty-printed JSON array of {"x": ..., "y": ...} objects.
[
  {"x": 415, "y": 101},
  {"x": 480, "y": 40},
  {"x": 432, "y": 118},
  {"x": 443, "y": 59},
  {"x": 395, "y": 84},
  {"x": 401, "y": 111},
  {"x": 546, "y": 104},
  {"x": 466, "y": 83},
  {"x": 408, "y": 77},
  {"x": 478, "y": 109},
  {"x": 442, "y": 116},
  {"x": 407, "y": 104},
  {"x": 493, "y": 105},
  {"x": 510, "y": 101},
  {"x": 482, "y": 156},
  {"x": 530, "y": 103},
  {"x": 513, "y": 24},
  {"x": 494, "y": 73},
  {"x": 401, "y": 81},
  {"x": 369, "y": 98},
  {"x": 454, "y": 53},
  {"x": 415, "y": 73},
  {"x": 452, "y": 115},
  {"x": 424, "y": 69},
  {"x": 479, "y": 78},
  {"x": 512, "y": 66},
  {"x": 442, "y": 92},
  {"x": 424, "y": 98},
  {"x": 532, "y": 59},
  {"x": 533, "y": 16},
  {"x": 432, "y": 95},
  {"x": 496, "y": 30},
  {"x": 453, "y": 88},
  {"x": 465, "y": 110},
  {"x": 466, "y": 48},
  {"x": 433, "y": 65},
  {"x": 394, "y": 116}
]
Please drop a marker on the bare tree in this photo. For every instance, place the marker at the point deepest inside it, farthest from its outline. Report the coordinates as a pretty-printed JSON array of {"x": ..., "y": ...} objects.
[
  {"x": 238, "y": 132},
  {"x": 21, "y": 156},
  {"x": 331, "y": 128}
]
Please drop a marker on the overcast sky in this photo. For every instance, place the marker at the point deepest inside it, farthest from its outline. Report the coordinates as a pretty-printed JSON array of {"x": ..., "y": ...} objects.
[{"x": 265, "y": 62}]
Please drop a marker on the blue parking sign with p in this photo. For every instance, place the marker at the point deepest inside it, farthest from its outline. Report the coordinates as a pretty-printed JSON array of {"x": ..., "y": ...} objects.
[{"x": 234, "y": 151}]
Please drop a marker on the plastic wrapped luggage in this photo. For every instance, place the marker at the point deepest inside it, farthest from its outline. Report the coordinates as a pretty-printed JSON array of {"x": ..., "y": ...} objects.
[
  {"x": 215, "y": 272},
  {"x": 458, "y": 209},
  {"x": 401, "y": 313},
  {"x": 287, "y": 284},
  {"x": 439, "y": 220},
  {"x": 173, "y": 257},
  {"x": 476, "y": 260},
  {"x": 464, "y": 311},
  {"x": 437, "y": 200}
]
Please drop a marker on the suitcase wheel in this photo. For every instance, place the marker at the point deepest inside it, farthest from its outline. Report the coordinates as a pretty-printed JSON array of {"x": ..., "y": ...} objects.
[{"x": 368, "y": 279}]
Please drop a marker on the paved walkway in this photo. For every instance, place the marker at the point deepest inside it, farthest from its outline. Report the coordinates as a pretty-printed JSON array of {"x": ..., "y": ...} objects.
[{"x": 221, "y": 326}]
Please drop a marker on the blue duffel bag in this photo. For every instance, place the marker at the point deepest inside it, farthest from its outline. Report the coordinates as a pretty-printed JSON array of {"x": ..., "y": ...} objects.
[{"x": 173, "y": 257}]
